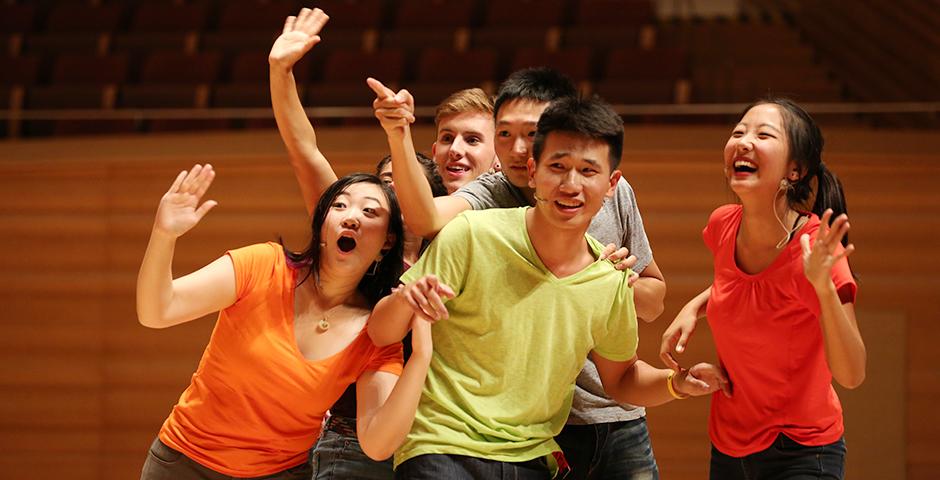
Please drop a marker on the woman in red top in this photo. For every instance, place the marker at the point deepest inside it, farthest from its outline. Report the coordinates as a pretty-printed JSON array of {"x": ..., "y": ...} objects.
[
  {"x": 781, "y": 307},
  {"x": 290, "y": 336}
]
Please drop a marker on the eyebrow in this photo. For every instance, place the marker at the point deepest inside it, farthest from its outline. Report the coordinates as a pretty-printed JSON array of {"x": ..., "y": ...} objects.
[
  {"x": 759, "y": 126},
  {"x": 503, "y": 122}
]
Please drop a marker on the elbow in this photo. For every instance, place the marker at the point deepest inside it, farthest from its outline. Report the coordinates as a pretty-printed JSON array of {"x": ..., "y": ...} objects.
[
  {"x": 852, "y": 381},
  {"x": 652, "y": 312},
  {"x": 378, "y": 453}
]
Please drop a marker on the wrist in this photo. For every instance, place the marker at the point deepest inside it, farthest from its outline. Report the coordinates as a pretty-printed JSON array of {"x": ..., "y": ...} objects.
[
  {"x": 825, "y": 288},
  {"x": 672, "y": 388}
]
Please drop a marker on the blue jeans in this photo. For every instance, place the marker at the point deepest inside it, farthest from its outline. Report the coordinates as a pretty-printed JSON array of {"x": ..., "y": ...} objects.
[
  {"x": 339, "y": 456},
  {"x": 618, "y": 450},
  {"x": 784, "y": 459},
  {"x": 459, "y": 467}
]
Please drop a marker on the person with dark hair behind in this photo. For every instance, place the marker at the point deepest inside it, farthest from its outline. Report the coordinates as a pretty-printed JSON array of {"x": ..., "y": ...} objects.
[
  {"x": 290, "y": 337},
  {"x": 530, "y": 299},
  {"x": 781, "y": 305},
  {"x": 602, "y": 438}
]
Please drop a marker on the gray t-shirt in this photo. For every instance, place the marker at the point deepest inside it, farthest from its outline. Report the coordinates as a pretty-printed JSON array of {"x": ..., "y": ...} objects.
[{"x": 617, "y": 222}]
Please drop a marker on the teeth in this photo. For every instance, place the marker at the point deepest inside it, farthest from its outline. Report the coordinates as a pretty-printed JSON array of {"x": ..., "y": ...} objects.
[
  {"x": 457, "y": 168},
  {"x": 571, "y": 205},
  {"x": 744, "y": 163}
]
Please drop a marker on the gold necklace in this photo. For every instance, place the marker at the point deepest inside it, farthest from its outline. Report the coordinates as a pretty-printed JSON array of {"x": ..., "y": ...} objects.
[{"x": 324, "y": 324}]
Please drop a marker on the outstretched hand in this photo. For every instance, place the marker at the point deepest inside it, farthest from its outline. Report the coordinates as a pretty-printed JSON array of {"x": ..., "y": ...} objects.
[
  {"x": 300, "y": 34},
  {"x": 819, "y": 258},
  {"x": 179, "y": 209},
  {"x": 426, "y": 297},
  {"x": 395, "y": 111}
]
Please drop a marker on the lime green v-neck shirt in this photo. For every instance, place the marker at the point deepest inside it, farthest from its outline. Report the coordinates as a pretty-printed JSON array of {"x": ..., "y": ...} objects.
[{"x": 505, "y": 362}]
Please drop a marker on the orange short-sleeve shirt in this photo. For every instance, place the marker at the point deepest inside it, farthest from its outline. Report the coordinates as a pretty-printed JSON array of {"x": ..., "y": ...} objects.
[
  {"x": 255, "y": 404},
  {"x": 769, "y": 339}
]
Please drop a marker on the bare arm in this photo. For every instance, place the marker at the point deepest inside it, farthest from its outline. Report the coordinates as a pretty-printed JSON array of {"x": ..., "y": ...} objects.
[
  {"x": 313, "y": 171},
  {"x": 649, "y": 293},
  {"x": 386, "y": 408},
  {"x": 161, "y": 300},
  {"x": 422, "y": 299},
  {"x": 424, "y": 214},
  {"x": 845, "y": 350},
  {"x": 677, "y": 335},
  {"x": 638, "y": 383}
]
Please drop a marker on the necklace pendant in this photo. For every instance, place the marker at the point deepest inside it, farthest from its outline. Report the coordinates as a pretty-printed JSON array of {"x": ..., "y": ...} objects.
[{"x": 323, "y": 325}]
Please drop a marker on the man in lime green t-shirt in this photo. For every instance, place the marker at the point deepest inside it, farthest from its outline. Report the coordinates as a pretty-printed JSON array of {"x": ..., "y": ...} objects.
[{"x": 529, "y": 300}]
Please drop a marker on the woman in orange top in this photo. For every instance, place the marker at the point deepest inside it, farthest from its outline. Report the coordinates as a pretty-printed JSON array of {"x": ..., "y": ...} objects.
[
  {"x": 781, "y": 305},
  {"x": 290, "y": 336}
]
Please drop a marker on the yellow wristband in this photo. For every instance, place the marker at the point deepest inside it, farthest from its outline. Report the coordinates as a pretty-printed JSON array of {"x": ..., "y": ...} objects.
[{"x": 672, "y": 389}]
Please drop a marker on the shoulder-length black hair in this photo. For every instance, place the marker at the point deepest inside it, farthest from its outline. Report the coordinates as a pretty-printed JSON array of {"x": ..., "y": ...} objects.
[{"x": 375, "y": 285}]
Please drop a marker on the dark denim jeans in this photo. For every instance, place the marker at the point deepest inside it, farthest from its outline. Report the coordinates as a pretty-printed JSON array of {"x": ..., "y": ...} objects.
[
  {"x": 339, "y": 456},
  {"x": 165, "y": 463},
  {"x": 784, "y": 459},
  {"x": 618, "y": 450},
  {"x": 459, "y": 467}
]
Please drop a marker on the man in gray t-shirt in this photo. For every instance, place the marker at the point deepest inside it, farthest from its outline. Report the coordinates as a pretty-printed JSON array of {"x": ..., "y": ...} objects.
[{"x": 602, "y": 439}]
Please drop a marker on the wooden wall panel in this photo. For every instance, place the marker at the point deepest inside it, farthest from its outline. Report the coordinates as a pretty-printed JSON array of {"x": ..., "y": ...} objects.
[{"x": 79, "y": 376}]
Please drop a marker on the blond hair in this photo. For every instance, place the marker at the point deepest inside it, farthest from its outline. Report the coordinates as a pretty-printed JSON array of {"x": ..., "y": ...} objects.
[{"x": 470, "y": 100}]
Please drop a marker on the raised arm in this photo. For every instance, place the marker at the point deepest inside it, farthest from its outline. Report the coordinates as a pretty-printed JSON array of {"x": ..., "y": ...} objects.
[
  {"x": 845, "y": 350},
  {"x": 424, "y": 214},
  {"x": 386, "y": 407},
  {"x": 161, "y": 300},
  {"x": 313, "y": 171}
]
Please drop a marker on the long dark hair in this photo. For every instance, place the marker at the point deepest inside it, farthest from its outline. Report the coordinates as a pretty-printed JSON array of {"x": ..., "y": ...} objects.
[
  {"x": 805, "y": 142},
  {"x": 372, "y": 286}
]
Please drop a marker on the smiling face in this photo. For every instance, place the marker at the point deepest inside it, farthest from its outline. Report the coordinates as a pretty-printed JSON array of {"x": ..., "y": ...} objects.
[
  {"x": 571, "y": 179},
  {"x": 356, "y": 227},
  {"x": 515, "y": 131},
  {"x": 757, "y": 154},
  {"x": 464, "y": 148}
]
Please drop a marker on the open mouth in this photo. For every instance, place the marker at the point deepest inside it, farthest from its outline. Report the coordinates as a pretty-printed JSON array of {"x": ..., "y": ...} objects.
[
  {"x": 744, "y": 166},
  {"x": 346, "y": 244},
  {"x": 457, "y": 170},
  {"x": 568, "y": 205}
]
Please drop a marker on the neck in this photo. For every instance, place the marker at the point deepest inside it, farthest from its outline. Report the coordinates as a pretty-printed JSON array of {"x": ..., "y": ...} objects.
[
  {"x": 412, "y": 247},
  {"x": 529, "y": 194},
  {"x": 760, "y": 226},
  {"x": 563, "y": 251},
  {"x": 334, "y": 288}
]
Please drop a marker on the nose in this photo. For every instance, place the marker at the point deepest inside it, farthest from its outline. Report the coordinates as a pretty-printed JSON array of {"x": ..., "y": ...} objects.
[
  {"x": 744, "y": 144},
  {"x": 520, "y": 146},
  {"x": 457, "y": 148},
  {"x": 351, "y": 222},
  {"x": 570, "y": 182}
]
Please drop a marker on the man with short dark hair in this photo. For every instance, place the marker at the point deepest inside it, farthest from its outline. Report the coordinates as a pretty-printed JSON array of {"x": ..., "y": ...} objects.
[
  {"x": 530, "y": 299},
  {"x": 602, "y": 437}
]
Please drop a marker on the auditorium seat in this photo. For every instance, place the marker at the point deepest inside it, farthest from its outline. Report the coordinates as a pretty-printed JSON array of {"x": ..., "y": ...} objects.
[
  {"x": 614, "y": 13},
  {"x": 412, "y": 14},
  {"x": 355, "y": 66},
  {"x": 445, "y": 65},
  {"x": 83, "y": 17},
  {"x": 255, "y": 15},
  {"x": 576, "y": 63},
  {"x": 169, "y": 17},
  {"x": 55, "y": 43},
  {"x": 519, "y": 13},
  {"x": 17, "y": 18}
]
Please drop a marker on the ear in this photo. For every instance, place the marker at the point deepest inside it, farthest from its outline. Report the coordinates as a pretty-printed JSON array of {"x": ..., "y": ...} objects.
[
  {"x": 794, "y": 173},
  {"x": 614, "y": 178},
  {"x": 530, "y": 167},
  {"x": 433, "y": 149},
  {"x": 389, "y": 241}
]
